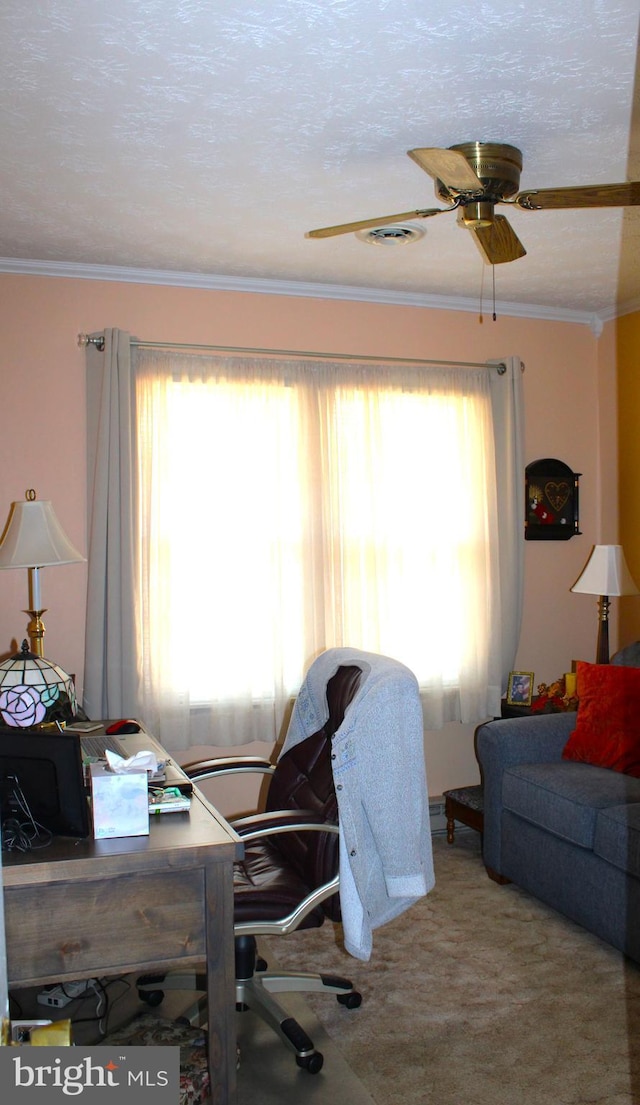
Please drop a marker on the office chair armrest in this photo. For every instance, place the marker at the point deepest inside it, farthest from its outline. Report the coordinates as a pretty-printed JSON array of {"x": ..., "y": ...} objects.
[
  {"x": 285, "y": 925},
  {"x": 281, "y": 821},
  {"x": 227, "y": 765}
]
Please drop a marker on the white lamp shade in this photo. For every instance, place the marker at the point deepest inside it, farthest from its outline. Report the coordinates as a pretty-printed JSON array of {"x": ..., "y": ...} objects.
[
  {"x": 606, "y": 573},
  {"x": 34, "y": 538}
]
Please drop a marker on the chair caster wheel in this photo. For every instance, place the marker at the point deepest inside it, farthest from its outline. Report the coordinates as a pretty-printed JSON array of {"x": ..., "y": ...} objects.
[
  {"x": 352, "y": 1000},
  {"x": 261, "y": 964},
  {"x": 151, "y": 997},
  {"x": 311, "y": 1063}
]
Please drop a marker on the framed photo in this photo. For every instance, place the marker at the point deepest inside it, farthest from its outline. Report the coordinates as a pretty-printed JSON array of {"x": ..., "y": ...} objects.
[
  {"x": 520, "y": 688},
  {"x": 551, "y": 501}
]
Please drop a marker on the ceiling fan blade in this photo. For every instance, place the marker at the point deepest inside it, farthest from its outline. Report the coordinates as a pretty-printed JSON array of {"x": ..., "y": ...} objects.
[
  {"x": 449, "y": 166},
  {"x": 498, "y": 242},
  {"x": 364, "y": 224},
  {"x": 588, "y": 195}
]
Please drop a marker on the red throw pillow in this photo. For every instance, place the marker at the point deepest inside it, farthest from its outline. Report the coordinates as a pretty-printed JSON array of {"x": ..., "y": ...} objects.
[{"x": 607, "y": 732}]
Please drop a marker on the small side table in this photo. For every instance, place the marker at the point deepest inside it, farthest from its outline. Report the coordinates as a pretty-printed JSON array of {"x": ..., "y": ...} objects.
[
  {"x": 464, "y": 804},
  {"x": 515, "y": 711}
]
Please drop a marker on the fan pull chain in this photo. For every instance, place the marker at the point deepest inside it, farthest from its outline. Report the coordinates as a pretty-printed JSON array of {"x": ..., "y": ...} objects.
[{"x": 493, "y": 275}]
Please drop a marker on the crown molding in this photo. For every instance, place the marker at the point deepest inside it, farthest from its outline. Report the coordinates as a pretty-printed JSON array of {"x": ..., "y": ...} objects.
[
  {"x": 261, "y": 286},
  {"x": 628, "y": 308}
]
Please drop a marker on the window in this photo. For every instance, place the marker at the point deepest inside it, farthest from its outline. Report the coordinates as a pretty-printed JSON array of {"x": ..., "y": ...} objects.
[{"x": 286, "y": 507}]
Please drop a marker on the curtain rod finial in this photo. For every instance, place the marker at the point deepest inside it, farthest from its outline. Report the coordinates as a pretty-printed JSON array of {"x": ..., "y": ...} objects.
[{"x": 86, "y": 339}]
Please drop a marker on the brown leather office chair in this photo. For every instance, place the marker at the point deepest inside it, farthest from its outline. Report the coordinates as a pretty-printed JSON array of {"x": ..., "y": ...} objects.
[{"x": 288, "y": 878}]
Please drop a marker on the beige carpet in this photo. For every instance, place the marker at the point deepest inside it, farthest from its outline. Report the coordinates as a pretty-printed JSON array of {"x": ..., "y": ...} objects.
[{"x": 481, "y": 995}]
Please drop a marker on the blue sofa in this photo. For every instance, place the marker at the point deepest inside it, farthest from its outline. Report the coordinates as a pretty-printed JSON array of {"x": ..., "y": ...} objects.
[{"x": 567, "y": 832}]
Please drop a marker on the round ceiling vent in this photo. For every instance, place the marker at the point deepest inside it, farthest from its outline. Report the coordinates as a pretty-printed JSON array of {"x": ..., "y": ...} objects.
[{"x": 395, "y": 234}]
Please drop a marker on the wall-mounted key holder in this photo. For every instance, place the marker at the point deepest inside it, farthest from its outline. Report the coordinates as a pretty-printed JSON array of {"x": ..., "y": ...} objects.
[{"x": 551, "y": 501}]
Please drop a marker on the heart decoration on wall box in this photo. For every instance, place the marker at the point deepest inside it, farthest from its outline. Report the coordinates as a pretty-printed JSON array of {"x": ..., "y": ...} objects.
[{"x": 557, "y": 493}]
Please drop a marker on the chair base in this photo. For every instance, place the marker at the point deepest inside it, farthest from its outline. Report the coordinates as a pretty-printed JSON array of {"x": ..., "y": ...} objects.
[
  {"x": 255, "y": 987},
  {"x": 256, "y": 993}
]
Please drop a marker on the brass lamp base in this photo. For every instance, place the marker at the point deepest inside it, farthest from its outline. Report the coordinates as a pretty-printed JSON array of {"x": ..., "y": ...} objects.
[
  {"x": 602, "y": 648},
  {"x": 35, "y": 631}
]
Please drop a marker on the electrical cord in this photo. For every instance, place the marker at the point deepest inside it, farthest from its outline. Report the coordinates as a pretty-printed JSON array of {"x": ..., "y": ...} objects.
[
  {"x": 104, "y": 1005},
  {"x": 22, "y": 835}
]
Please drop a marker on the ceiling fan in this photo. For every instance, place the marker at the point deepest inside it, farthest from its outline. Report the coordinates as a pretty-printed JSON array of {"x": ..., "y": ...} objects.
[{"x": 472, "y": 177}]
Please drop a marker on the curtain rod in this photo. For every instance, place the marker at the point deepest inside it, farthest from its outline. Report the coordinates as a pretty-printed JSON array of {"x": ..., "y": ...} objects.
[{"x": 98, "y": 341}]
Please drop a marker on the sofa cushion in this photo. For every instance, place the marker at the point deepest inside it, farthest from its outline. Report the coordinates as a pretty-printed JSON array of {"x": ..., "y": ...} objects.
[
  {"x": 607, "y": 731},
  {"x": 617, "y": 838},
  {"x": 565, "y": 798}
]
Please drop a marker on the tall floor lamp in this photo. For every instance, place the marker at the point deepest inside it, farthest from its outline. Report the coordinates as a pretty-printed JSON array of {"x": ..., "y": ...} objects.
[{"x": 605, "y": 574}]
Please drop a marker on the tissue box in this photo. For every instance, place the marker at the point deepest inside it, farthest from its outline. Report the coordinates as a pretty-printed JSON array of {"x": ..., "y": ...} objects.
[{"x": 120, "y": 802}]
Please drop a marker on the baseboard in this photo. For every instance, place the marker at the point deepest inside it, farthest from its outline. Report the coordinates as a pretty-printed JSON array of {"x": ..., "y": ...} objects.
[
  {"x": 438, "y": 819},
  {"x": 436, "y": 815}
]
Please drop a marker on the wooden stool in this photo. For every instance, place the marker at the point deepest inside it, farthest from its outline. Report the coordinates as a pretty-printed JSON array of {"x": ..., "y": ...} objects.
[{"x": 465, "y": 804}]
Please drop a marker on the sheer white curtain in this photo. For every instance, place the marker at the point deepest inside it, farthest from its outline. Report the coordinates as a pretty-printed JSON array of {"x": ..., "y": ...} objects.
[{"x": 282, "y": 508}]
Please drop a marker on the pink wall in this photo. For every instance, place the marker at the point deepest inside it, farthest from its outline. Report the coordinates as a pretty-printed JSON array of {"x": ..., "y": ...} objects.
[{"x": 42, "y": 444}]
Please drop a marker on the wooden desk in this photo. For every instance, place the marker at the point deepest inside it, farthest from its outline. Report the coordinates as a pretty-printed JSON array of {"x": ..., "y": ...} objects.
[{"x": 89, "y": 908}]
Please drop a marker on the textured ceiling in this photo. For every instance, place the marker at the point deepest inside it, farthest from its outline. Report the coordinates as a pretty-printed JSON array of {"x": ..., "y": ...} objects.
[{"x": 200, "y": 137}]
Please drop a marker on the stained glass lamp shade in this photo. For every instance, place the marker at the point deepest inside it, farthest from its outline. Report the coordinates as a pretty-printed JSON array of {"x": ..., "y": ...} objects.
[{"x": 34, "y": 692}]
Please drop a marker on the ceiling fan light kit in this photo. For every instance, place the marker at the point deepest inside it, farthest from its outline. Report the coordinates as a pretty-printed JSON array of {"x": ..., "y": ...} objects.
[
  {"x": 472, "y": 178},
  {"x": 473, "y": 215}
]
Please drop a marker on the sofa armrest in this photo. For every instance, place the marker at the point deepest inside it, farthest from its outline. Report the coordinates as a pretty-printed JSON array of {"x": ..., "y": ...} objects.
[{"x": 539, "y": 738}]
